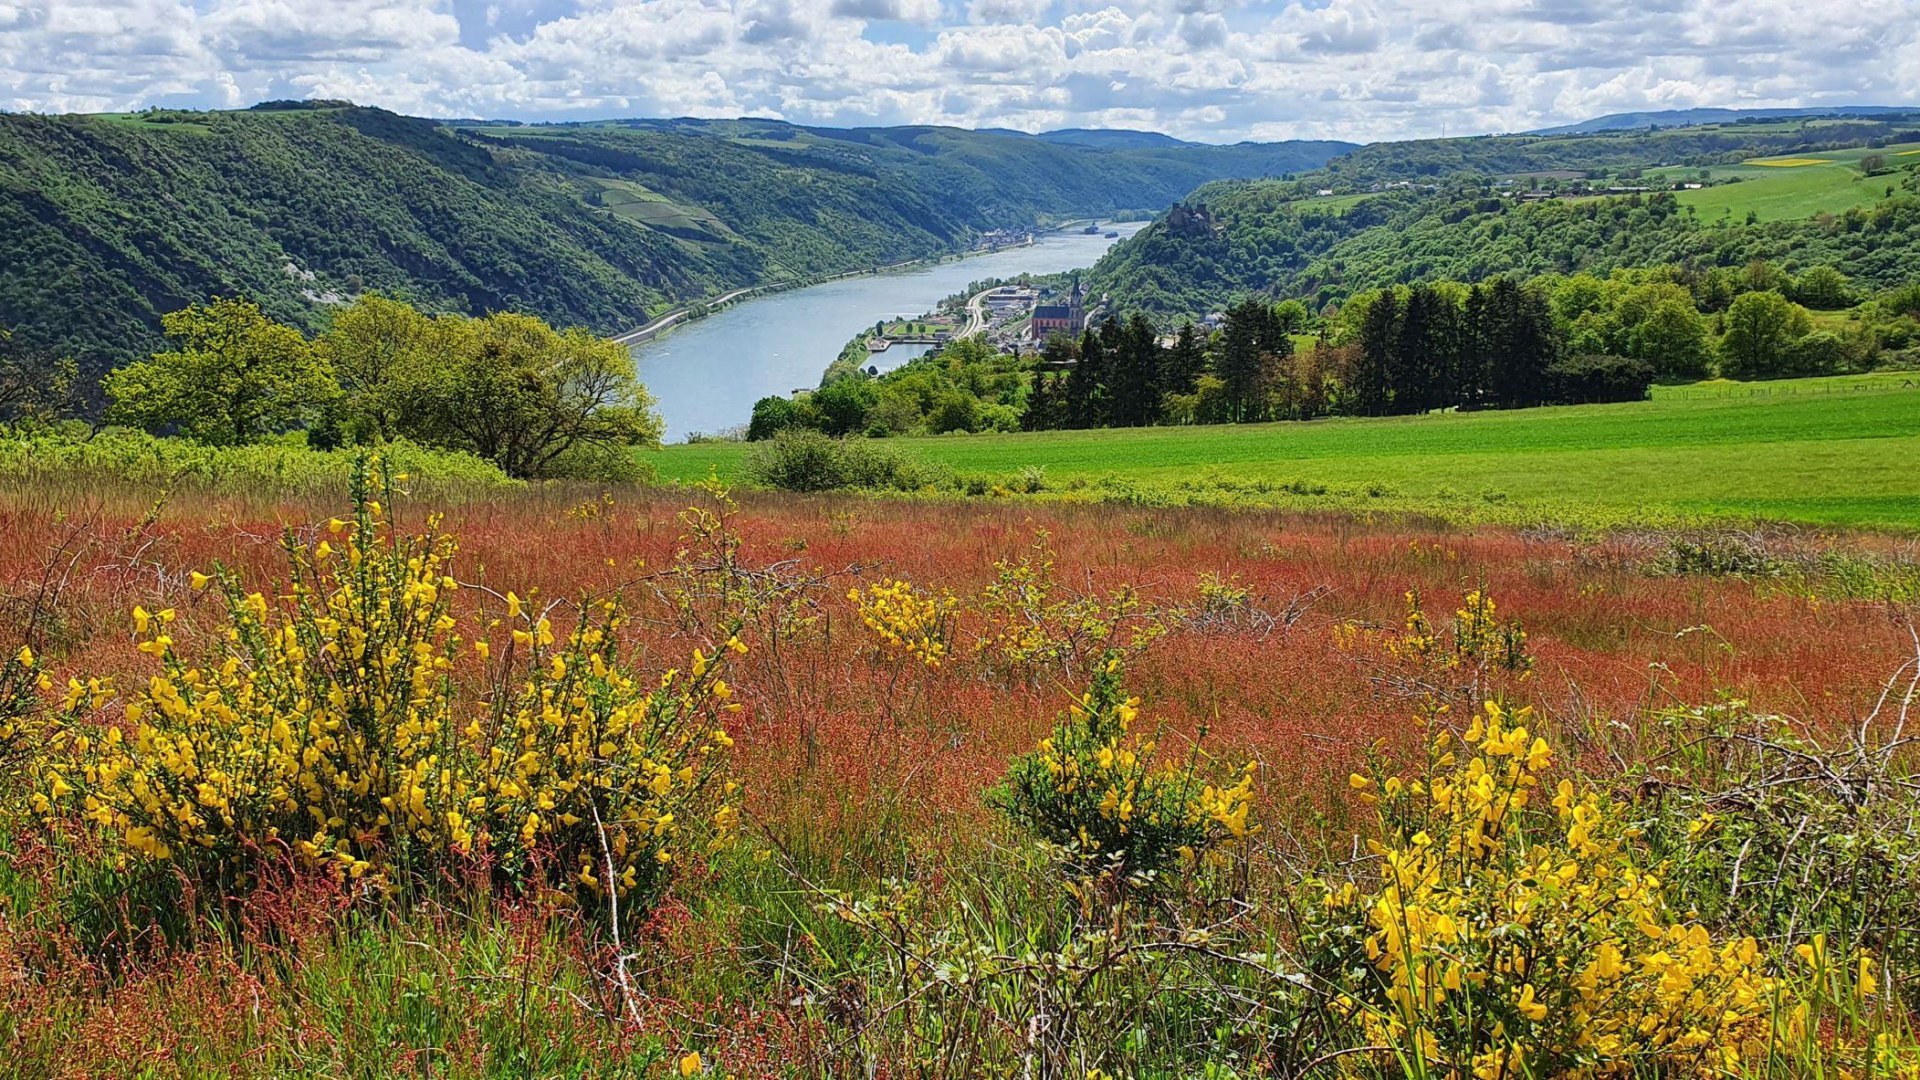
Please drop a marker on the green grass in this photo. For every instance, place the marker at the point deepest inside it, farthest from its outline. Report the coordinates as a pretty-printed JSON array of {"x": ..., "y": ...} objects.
[
  {"x": 1784, "y": 192},
  {"x": 1783, "y": 388},
  {"x": 150, "y": 123},
  {"x": 1334, "y": 202},
  {"x": 1842, "y": 451}
]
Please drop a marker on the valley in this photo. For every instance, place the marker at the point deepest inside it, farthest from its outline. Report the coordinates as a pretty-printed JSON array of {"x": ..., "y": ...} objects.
[{"x": 546, "y": 592}]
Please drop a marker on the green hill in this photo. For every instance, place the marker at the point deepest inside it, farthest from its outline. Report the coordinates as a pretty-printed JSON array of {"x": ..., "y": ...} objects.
[
  {"x": 1466, "y": 209},
  {"x": 112, "y": 220}
]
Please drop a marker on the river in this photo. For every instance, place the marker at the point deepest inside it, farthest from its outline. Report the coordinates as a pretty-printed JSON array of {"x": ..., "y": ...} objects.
[{"x": 707, "y": 374}]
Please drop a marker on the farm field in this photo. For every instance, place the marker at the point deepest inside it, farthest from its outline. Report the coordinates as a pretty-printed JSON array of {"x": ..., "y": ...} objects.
[
  {"x": 1795, "y": 186},
  {"x": 634, "y": 201},
  {"x": 871, "y": 864},
  {"x": 1828, "y": 451}
]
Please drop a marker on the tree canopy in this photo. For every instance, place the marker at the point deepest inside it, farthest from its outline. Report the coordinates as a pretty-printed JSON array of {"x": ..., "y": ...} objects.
[
  {"x": 234, "y": 376},
  {"x": 535, "y": 401}
]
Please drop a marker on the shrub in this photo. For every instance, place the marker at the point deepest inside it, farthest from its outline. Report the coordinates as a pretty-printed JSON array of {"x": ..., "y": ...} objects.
[
  {"x": 1100, "y": 793},
  {"x": 22, "y": 723},
  {"x": 980, "y": 970},
  {"x": 1903, "y": 300},
  {"x": 1586, "y": 380},
  {"x": 1818, "y": 353},
  {"x": 956, "y": 410},
  {"x": 843, "y": 403},
  {"x": 329, "y": 724},
  {"x": 877, "y": 466},
  {"x": 600, "y": 463},
  {"x": 266, "y": 469},
  {"x": 799, "y": 459},
  {"x": 1036, "y": 625},
  {"x": 1506, "y": 938},
  {"x": 1717, "y": 555},
  {"x": 895, "y": 412},
  {"x": 1476, "y": 643},
  {"x": 1772, "y": 833}
]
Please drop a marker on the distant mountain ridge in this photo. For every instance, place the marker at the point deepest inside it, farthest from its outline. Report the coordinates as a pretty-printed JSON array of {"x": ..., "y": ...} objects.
[
  {"x": 1113, "y": 137},
  {"x": 1687, "y": 117}
]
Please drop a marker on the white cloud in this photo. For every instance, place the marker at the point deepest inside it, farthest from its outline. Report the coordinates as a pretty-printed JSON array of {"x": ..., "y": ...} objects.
[
  {"x": 913, "y": 11},
  {"x": 1028, "y": 12},
  {"x": 1211, "y": 69}
]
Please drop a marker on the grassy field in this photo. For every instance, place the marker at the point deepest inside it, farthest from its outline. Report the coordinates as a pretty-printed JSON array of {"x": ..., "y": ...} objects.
[
  {"x": 1829, "y": 451},
  {"x": 1796, "y": 186},
  {"x": 1334, "y": 202}
]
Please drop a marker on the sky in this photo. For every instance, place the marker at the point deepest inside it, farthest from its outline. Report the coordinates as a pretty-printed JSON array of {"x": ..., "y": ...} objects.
[{"x": 1210, "y": 70}]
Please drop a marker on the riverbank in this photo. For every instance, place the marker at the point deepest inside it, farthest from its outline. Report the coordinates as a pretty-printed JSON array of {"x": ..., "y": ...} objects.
[{"x": 707, "y": 372}]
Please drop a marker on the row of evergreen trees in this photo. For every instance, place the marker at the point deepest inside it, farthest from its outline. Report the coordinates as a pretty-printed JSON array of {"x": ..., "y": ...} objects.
[
  {"x": 1429, "y": 352},
  {"x": 1494, "y": 345}
]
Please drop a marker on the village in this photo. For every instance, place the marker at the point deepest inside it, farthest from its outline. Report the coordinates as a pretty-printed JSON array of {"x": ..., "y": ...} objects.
[{"x": 1015, "y": 318}]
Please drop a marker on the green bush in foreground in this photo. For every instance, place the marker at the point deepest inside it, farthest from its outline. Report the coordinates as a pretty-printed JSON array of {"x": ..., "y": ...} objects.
[
  {"x": 1097, "y": 791},
  {"x": 800, "y": 459}
]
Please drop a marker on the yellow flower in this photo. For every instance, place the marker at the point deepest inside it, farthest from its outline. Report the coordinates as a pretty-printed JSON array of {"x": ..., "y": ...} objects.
[
  {"x": 690, "y": 1064},
  {"x": 1539, "y": 756},
  {"x": 199, "y": 580},
  {"x": 1530, "y": 1008},
  {"x": 25, "y": 656}
]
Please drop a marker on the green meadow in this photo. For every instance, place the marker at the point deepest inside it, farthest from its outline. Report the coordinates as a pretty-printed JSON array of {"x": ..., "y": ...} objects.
[
  {"x": 1839, "y": 451},
  {"x": 1794, "y": 186}
]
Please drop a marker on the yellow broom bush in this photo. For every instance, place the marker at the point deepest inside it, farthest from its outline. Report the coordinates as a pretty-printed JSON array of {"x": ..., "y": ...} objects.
[
  {"x": 1104, "y": 795},
  {"x": 907, "y": 622},
  {"x": 328, "y": 724},
  {"x": 23, "y": 723},
  {"x": 1507, "y": 938}
]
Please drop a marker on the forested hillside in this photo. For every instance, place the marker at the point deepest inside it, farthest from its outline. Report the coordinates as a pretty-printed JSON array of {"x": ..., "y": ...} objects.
[
  {"x": 1481, "y": 207},
  {"x": 112, "y": 220}
]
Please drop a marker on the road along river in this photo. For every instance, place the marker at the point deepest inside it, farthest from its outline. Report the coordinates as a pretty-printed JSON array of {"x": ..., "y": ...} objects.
[{"x": 708, "y": 373}]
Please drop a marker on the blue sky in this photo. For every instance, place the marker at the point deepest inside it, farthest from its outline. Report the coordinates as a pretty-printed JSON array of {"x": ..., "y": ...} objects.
[{"x": 1215, "y": 70}]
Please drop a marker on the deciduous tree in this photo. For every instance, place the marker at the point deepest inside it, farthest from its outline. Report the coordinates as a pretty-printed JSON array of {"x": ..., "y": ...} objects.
[
  {"x": 235, "y": 376},
  {"x": 1761, "y": 327}
]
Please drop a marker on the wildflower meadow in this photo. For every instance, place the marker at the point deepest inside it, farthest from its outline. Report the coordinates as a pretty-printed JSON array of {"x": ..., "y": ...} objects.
[{"x": 366, "y": 778}]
